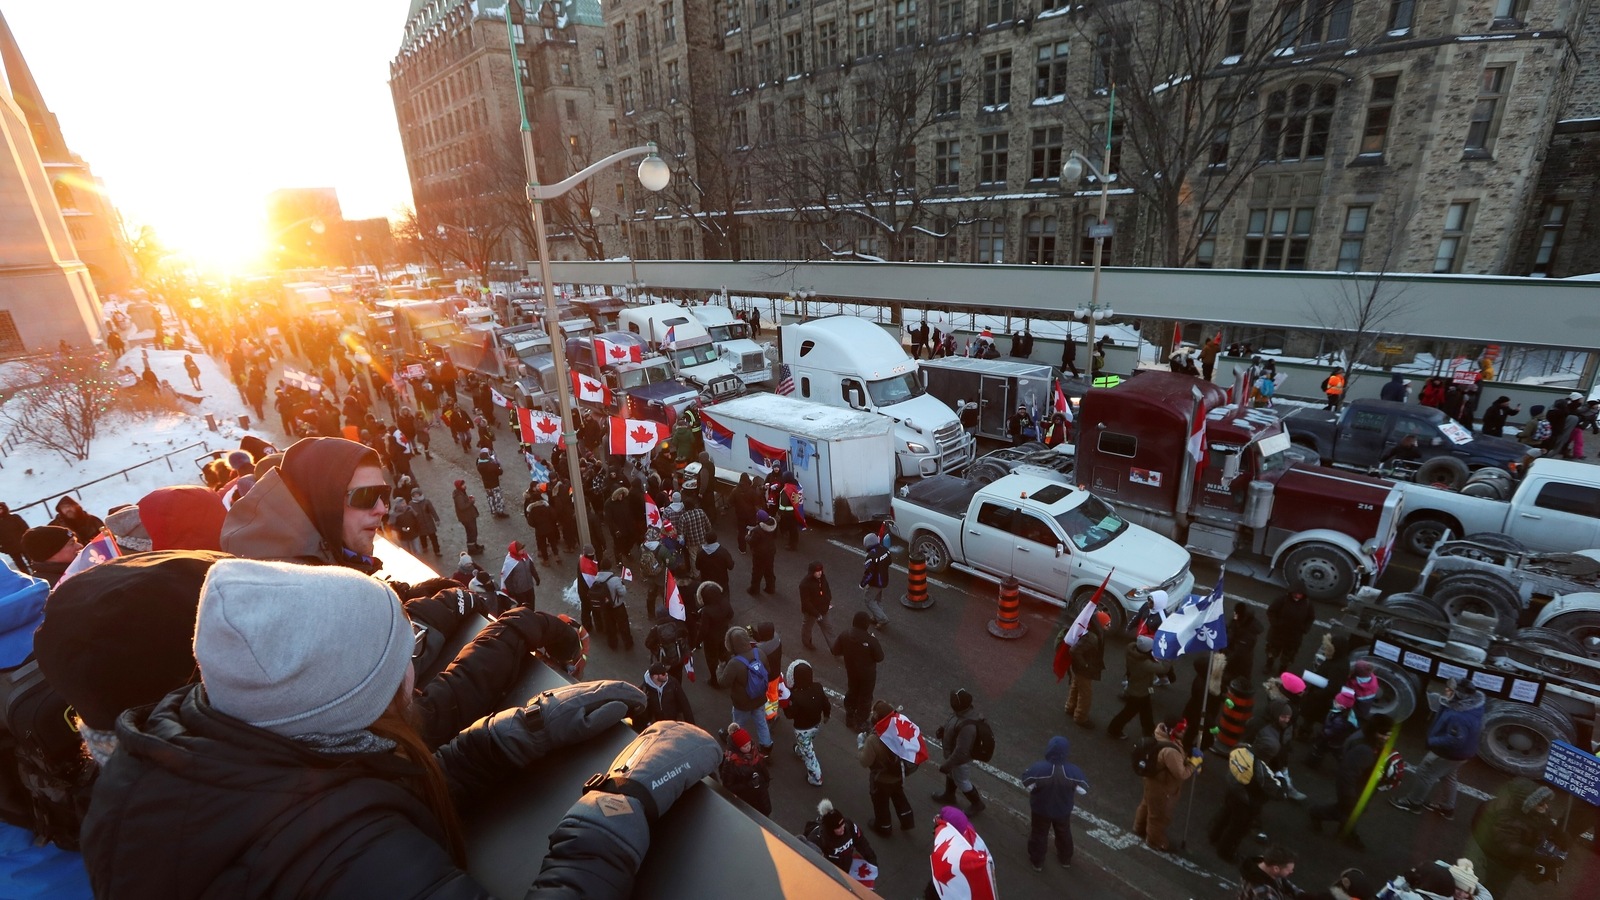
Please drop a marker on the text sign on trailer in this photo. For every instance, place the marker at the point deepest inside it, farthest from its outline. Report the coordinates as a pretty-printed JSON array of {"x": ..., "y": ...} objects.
[{"x": 1574, "y": 771}]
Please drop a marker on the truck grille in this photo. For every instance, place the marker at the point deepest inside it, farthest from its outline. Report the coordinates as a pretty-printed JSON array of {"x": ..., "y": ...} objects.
[
  {"x": 726, "y": 386},
  {"x": 956, "y": 447},
  {"x": 754, "y": 361}
]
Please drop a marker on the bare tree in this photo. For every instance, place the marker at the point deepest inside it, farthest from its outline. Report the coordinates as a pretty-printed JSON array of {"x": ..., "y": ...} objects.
[
  {"x": 58, "y": 403},
  {"x": 1363, "y": 309}
]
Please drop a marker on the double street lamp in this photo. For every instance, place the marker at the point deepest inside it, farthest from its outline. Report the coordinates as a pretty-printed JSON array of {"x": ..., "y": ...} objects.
[{"x": 1071, "y": 172}]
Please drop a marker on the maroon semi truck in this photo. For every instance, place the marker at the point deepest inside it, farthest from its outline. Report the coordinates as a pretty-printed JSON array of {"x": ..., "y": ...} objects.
[{"x": 1172, "y": 454}]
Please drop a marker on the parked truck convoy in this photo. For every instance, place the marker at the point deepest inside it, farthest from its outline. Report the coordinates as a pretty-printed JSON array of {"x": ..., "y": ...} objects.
[
  {"x": 1359, "y": 435},
  {"x": 852, "y": 363},
  {"x": 751, "y": 361},
  {"x": 1556, "y": 507},
  {"x": 640, "y": 390},
  {"x": 680, "y": 338}
]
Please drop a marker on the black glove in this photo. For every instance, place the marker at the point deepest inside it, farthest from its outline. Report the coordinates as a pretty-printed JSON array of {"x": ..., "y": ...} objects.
[
  {"x": 560, "y": 718},
  {"x": 660, "y": 765}
]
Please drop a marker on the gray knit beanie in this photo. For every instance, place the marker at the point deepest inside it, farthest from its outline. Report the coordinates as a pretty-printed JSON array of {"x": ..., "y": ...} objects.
[
  {"x": 300, "y": 649},
  {"x": 1539, "y": 795}
]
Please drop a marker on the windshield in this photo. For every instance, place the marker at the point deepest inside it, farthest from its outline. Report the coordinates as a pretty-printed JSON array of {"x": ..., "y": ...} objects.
[
  {"x": 1091, "y": 524},
  {"x": 694, "y": 356},
  {"x": 897, "y": 389},
  {"x": 1274, "y": 461},
  {"x": 733, "y": 331}
]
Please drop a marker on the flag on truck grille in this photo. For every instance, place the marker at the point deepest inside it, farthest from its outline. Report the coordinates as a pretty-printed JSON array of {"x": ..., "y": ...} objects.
[{"x": 785, "y": 380}]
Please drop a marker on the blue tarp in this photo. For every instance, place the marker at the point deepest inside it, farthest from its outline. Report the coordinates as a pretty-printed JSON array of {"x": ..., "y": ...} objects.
[{"x": 27, "y": 871}]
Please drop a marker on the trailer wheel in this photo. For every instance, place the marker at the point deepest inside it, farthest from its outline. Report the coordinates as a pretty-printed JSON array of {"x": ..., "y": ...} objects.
[
  {"x": 1498, "y": 541},
  {"x": 1526, "y": 645},
  {"x": 1583, "y": 627},
  {"x": 1421, "y": 534},
  {"x": 933, "y": 550},
  {"x": 1028, "y": 448},
  {"x": 1322, "y": 571},
  {"x": 1108, "y": 602},
  {"x": 1446, "y": 471},
  {"x": 1437, "y": 627},
  {"x": 1482, "y": 593},
  {"x": 1516, "y": 737},
  {"x": 1397, "y": 689},
  {"x": 987, "y": 471}
]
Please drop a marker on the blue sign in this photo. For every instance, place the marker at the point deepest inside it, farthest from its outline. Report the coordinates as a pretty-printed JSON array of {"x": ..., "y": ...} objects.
[{"x": 1574, "y": 771}]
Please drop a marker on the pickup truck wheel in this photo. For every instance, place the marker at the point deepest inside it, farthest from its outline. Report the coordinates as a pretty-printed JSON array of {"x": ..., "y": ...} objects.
[
  {"x": 1445, "y": 471},
  {"x": 1516, "y": 737},
  {"x": 933, "y": 551},
  {"x": 1322, "y": 571},
  {"x": 1479, "y": 592},
  {"x": 1583, "y": 627},
  {"x": 1420, "y": 536},
  {"x": 1108, "y": 603},
  {"x": 1397, "y": 690},
  {"x": 1502, "y": 542}
]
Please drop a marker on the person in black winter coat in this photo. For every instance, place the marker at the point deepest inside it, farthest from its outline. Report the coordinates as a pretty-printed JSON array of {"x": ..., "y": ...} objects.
[
  {"x": 1362, "y": 752},
  {"x": 12, "y": 527},
  {"x": 716, "y": 616},
  {"x": 816, "y": 598},
  {"x": 745, "y": 500},
  {"x": 209, "y": 786},
  {"x": 669, "y": 644},
  {"x": 807, "y": 709},
  {"x": 665, "y": 698},
  {"x": 861, "y": 653},
  {"x": 73, "y": 517},
  {"x": 714, "y": 563},
  {"x": 762, "y": 538},
  {"x": 1395, "y": 390},
  {"x": 1088, "y": 663},
  {"x": 1494, "y": 418},
  {"x": 838, "y": 838},
  {"x": 1244, "y": 631},
  {"x": 1289, "y": 618}
]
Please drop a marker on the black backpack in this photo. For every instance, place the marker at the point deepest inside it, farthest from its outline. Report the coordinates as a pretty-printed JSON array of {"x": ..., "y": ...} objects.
[
  {"x": 672, "y": 652},
  {"x": 1144, "y": 753},
  {"x": 983, "y": 741},
  {"x": 52, "y": 765}
]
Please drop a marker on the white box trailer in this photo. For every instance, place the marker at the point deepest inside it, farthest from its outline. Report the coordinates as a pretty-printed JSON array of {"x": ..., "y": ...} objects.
[{"x": 844, "y": 459}]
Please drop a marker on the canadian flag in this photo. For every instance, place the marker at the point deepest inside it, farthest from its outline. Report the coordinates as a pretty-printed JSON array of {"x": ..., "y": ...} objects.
[
  {"x": 499, "y": 399},
  {"x": 652, "y": 512},
  {"x": 962, "y": 866},
  {"x": 539, "y": 427},
  {"x": 903, "y": 738},
  {"x": 610, "y": 353},
  {"x": 590, "y": 390},
  {"x": 1061, "y": 404},
  {"x": 865, "y": 873},
  {"x": 636, "y": 437},
  {"x": 675, "y": 600}
]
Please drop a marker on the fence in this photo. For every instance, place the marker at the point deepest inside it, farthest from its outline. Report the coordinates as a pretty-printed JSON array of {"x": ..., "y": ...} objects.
[{"x": 77, "y": 491}]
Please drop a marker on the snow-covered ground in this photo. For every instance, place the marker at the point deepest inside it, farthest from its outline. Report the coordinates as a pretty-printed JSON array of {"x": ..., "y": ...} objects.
[{"x": 30, "y": 473}]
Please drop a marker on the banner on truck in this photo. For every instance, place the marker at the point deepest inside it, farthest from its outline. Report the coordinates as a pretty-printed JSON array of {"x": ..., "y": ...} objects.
[{"x": 765, "y": 456}]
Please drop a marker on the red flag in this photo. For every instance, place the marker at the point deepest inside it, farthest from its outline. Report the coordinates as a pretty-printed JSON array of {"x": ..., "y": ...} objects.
[
  {"x": 1061, "y": 404},
  {"x": 1177, "y": 335},
  {"x": 652, "y": 512},
  {"x": 588, "y": 569},
  {"x": 1075, "y": 632},
  {"x": 675, "y": 600}
]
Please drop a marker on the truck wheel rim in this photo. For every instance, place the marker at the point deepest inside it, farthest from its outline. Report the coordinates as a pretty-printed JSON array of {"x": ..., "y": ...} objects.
[
  {"x": 1519, "y": 742},
  {"x": 1423, "y": 539},
  {"x": 1317, "y": 575}
]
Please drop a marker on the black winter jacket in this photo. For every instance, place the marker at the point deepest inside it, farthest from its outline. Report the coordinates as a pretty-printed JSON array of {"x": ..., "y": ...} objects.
[
  {"x": 809, "y": 705},
  {"x": 860, "y": 652},
  {"x": 815, "y": 596},
  {"x": 1288, "y": 620}
]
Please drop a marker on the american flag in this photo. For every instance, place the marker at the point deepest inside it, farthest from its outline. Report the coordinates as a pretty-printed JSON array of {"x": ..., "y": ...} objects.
[{"x": 785, "y": 380}]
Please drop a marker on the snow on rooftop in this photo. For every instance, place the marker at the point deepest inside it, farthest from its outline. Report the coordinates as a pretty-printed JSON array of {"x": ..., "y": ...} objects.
[{"x": 802, "y": 416}]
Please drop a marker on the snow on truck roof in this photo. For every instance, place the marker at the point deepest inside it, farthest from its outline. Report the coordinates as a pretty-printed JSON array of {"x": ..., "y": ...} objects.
[
  {"x": 837, "y": 333},
  {"x": 812, "y": 419}
]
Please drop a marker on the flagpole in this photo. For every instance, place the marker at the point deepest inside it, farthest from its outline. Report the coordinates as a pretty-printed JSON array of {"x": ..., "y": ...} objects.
[{"x": 1205, "y": 704}]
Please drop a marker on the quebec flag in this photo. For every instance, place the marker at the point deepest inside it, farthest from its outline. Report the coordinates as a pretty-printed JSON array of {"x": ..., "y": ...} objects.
[{"x": 1197, "y": 626}]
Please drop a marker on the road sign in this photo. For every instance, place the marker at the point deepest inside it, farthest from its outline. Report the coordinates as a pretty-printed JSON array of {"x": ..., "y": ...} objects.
[
  {"x": 1104, "y": 229},
  {"x": 1574, "y": 771},
  {"x": 1390, "y": 348}
]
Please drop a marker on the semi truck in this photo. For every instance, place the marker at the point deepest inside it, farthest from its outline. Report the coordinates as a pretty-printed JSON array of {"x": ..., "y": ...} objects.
[
  {"x": 852, "y": 363},
  {"x": 641, "y": 390},
  {"x": 1170, "y": 453},
  {"x": 683, "y": 341},
  {"x": 842, "y": 458},
  {"x": 985, "y": 392},
  {"x": 751, "y": 361}
]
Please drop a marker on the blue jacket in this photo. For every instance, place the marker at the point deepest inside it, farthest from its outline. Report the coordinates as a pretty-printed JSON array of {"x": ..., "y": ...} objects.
[
  {"x": 1456, "y": 726},
  {"x": 1053, "y": 783},
  {"x": 875, "y": 571},
  {"x": 1395, "y": 389}
]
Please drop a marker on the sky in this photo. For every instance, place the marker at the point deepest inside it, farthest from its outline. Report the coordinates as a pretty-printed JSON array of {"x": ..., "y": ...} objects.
[{"x": 191, "y": 113}]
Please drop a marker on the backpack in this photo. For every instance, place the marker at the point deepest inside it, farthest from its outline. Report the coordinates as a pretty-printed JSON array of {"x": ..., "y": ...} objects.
[
  {"x": 983, "y": 741},
  {"x": 1541, "y": 431},
  {"x": 1242, "y": 763},
  {"x": 672, "y": 652},
  {"x": 755, "y": 674},
  {"x": 1144, "y": 753},
  {"x": 53, "y": 767}
]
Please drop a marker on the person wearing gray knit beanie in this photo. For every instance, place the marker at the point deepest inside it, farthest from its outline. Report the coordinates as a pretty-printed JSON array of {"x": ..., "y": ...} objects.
[{"x": 300, "y": 650}]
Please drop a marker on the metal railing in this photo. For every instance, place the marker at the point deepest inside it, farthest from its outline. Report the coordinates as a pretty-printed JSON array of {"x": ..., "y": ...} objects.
[{"x": 77, "y": 491}]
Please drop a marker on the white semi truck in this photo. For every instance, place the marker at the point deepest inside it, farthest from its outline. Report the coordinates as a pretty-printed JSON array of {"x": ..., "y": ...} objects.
[
  {"x": 751, "y": 361},
  {"x": 681, "y": 338}
]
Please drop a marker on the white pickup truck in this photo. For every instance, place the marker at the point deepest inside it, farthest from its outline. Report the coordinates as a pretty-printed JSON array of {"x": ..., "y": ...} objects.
[
  {"x": 1555, "y": 508},
  {"x": 1058, "y": 541}
]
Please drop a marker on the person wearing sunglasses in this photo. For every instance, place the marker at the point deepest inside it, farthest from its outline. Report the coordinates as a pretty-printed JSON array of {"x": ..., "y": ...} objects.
[{"x": 323, "y": 505}]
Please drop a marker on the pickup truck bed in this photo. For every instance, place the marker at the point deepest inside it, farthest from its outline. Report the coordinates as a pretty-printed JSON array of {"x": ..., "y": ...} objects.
[{"x": 945, "y": 494}]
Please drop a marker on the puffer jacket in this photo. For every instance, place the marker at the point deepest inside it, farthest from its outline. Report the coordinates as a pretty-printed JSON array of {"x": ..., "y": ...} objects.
[
  {"x": 809, "y": 705},
  {"x": 1456, "y": 726},
  {"x": 1053, "y": 783},
  {"x": 199, "y": 805},
  {"x": 957, "y": 734},
  {"x": 1142, "y": 671}
]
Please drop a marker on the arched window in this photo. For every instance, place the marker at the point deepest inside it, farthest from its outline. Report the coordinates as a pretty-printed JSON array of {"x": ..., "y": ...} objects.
[
  {"x": 1039, "y": 244},
  {"x": 64, "y": 198},
  {"x": 1297, "y": 123}
]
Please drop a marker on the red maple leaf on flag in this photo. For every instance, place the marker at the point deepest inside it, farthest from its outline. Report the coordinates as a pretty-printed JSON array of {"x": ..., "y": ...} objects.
[
  {"x": 863, "y": 869},
  {"x": 905, "y": 729},
  {"x": 548, "y": 426},
  {"x": 641, "y": 435},
  {"x": 943, "y": 872},
  {"x": 619, "y": 352}
]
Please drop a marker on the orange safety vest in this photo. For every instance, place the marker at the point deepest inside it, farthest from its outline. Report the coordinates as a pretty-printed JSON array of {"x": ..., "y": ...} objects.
[{"x": 1335, "y": 384}]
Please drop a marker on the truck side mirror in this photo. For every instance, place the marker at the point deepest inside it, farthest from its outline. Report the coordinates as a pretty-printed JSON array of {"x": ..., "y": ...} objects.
[
  {"x": 1060, "y": 549},
  {"x": 1230, "y": 467}
]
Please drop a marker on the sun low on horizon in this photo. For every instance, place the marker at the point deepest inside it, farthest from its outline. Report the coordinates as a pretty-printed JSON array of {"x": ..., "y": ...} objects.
[{"x": 192, "y": 116}]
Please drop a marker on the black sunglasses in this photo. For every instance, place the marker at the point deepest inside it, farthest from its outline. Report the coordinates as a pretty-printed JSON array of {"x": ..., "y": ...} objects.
[
  {"x": 368, "y": 496},
  {"x": 419, "y": 639}
]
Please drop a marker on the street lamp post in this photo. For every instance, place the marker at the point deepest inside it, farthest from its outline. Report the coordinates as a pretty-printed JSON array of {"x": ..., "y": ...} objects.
[
  {"x": 1071, "y": 171},
  {"x": 654, "y": 176}
]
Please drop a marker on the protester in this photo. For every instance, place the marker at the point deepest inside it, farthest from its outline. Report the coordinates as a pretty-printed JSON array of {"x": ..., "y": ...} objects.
[
  {"x": 808, "y": 708},
  {"x": 1289, "y": 619},
  {"x": 838, "y": 839},
  {"x": 467, "y": 514},
  {"x": 1142, "y": 671},
  {"x": 957, "y": 736},
  {"x": 12, "y": 527},
  {"x": 1266, "y": 877},
  {"x": 744, "y": 771},
  {"x": 715, "y": 617},
  {"x": 518, "y": 576},
  {"x": 1162, "y": 783},
  {"x": 886, "y": 783},
  {"x": 874, "y": 578},
  {"x": 669, "y": 644},
  {"x": 1360, "y": 755},
  {"x": 1508, "y": 833},
  {"x": 1053, "y": 787},
  {"x": 427, "y": 521},
  {"x": 763, "y": 543},
  {"x": 714, "y": 562},
  {"x": 489, "y": 471},
  {"x": 50, "y": 549},
  {"x": 745, "y": 675},
  {"x": 861, "y": 653},
  {"x": 816, "y": 599},
  {"x": 1452, "y": 740},
  {"x": 72, "y": 516},
  {"x": 1088, "y": 662},
  {"x": 962, "y": 865}
]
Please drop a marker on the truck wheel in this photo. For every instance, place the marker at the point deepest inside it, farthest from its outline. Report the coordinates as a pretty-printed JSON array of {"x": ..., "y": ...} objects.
[
  {"x": 987, "y": 471},
  {"x": 1421, "y": 534},
  {"x": 1505, "y": 543},
  {"x": 1436, "y": 628},
  {"x": 1583, "y": 627},
  {"x": 1528, "y": 647},
  {"x": 1028, "y": 448},
  {"x": 933, "y": 551},
  {"x": 1322, "y": 571},
  {"x": 1397, "y": 689},
  {"x": 1108, "y": 602},
  {"x": 1483, "y": 593},
  {"x": 1445, "y": 471},
  {"x": 1516, "y": 736}
]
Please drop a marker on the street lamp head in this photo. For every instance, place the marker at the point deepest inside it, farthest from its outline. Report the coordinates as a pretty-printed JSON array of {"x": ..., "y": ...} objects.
[
  {"x": 654, "y": 173},
  {"x": 1072, "y": 169}
]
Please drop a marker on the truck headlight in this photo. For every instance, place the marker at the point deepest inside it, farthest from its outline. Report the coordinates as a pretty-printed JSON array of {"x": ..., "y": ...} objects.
[
  {"x": 1138, "y": 594},
  {"x": 915, "y": 447}
]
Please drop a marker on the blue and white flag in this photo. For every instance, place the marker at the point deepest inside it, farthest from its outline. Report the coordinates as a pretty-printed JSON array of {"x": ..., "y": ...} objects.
[{"x": 1195, "y": 627}]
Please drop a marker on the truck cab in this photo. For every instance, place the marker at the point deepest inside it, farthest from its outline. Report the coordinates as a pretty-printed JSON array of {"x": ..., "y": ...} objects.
[
  {"x": 850, "y": 362},
  {"x": 751, "y": 361},
  {"x": 1172, "y": 454},
  {"x": 678, "y": 336},
  {"x": 642, "y": 390}
]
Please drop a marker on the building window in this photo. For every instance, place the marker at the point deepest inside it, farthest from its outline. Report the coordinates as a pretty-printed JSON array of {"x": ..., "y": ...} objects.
[
  {"x": 1509, "y": 12},
  {"x": 619, "y": 36},
  {"x": 766, "y": 62},
  {"x": 943, "y": 240},
  {"x": 1110, "y": 59},
  {"x": 599, "y": 57},
  {"x": 996, "y": 12},
  {"x": 647, "y": 88},
  {"x": 1380, "y": 105},
  {"x": 1485, "y": 120},
  {"x": 611, "y": 125},
  {"x": 949, "y": 17},
  {"x": 1086, "y": 244},
  {"x": 1238, "y": 28},
  {"x": 1457, "y": 219},
  {"x": 990, "y": 246},
  {"x": 642, "y": 32},
  {"x": 866, "y": 33},
  {"x": 997, "y": 79},
  {"x": 1039, "y": 241},
  {"x": 766, "y": 132},
  {"x": 1222, "y": 134},
  {"x": 669, "y": 24},
  {"x": 832, "y": 113},
  {"x": 905, "y": 22},
  {"x": 763, "y": 11},
  {"x": 674, "y": 80},
  {"x": 627, "y": 94},
  {"x": 795, "y": 107},
  {"x": 1401, "y": 13},
  {"x": 947, "y": 164},
  {"x": 735, "y": 15},
  {"x": 1205, "y": 251},
  {"x": 947, "y": 90},
  {"x": 76, "y": 230},
  {"x": 1355, "y": 235},
  {"x": 739, "y": 128},
  {"x": 611, "y": 94},
  {"x": 1555, "y": 220},
  {"x": 1297, "y": 123},
  {"x": 1050, "y": 71},
  {"x": 1328, "y": 21},
  {"x": 993, "y": 158},
  {"x": 572, "y": 110},
  {"x": 794, "y": 53},
  {"x": 1046, "y": 157},
  {"x": 866, "y": 107},
  {"x": 738, "y": 69},
  {"x": 1278, "y": 238},
  {"x": 828, "y": 44}
]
